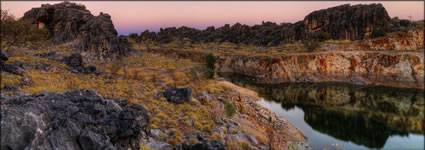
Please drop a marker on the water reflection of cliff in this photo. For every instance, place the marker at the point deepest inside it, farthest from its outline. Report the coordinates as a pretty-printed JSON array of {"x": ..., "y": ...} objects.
[{"x": 361, "y": 114}]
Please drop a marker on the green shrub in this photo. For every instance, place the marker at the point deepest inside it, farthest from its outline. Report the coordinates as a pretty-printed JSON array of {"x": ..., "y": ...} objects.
[
  {"x": 16, "y": 32},
  {"x": 405, "y": 23},
  {"x": 378, "y": 33},
  {"x": 230, "y": 109},
  {"x": 311, "y": 45},
  {"x": 210, "y": 60},
  {"x": 133, "y": 36}
]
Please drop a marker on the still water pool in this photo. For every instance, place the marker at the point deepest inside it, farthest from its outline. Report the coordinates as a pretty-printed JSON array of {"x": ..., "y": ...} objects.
[{"x": 344, "y": 116}]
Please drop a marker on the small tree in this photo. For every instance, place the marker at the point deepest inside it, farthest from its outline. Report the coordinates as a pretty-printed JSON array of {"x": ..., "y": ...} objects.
[
  {"x": 311, "y": 45},
  {"x": 133, "y": 36},
  {"x": 378, "y": 33},
  {"x": 210, "y": 60},
  {"x": 230, "y": 109},
  {"x": 18, "y": 32}
]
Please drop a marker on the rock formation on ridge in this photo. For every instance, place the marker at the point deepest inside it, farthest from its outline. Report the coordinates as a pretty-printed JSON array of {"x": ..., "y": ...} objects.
[{"x": 69, "y": 21}]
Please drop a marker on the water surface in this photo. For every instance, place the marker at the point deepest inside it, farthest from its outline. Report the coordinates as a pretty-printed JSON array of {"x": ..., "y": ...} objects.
[{"x": 350, "y": 116}]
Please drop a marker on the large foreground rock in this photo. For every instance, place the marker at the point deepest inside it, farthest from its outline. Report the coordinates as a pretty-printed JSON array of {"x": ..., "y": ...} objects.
[
  {"x": 79, "y": 119},
  {"x": 69, "y": 21}
]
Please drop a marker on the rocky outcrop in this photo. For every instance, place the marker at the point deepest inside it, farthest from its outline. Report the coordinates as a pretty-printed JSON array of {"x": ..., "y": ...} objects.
[
  {"x": 348, "y": 22},
  {"x": 79, "y": 119},
  {"x": 178, "y": 95},
  {"x": 99, "y": 36},
  {"x": 76, "y": 64},
  {"x": 342, "y": 22},
  {"x": 401, "y": 41},
  {"x": 69, "y": 21},
  {"x": 401, "y": 69},
  {"x": 410, "y": 40},
  {"x": 389, "y": 68}
]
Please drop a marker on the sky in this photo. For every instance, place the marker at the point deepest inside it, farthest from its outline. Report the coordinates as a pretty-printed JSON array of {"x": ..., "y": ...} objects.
[{"x": 137, "y": 16}]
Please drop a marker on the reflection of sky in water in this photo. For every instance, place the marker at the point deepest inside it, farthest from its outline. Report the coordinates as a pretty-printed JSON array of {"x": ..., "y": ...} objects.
[{"x": 318, "y": 140}]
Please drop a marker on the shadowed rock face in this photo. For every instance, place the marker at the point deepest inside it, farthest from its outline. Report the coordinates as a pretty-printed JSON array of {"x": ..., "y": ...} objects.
[
  {"x": 79, "y": 119},
  {"x": 69, "y": 21},
  {"x": 348, "y": 22}
]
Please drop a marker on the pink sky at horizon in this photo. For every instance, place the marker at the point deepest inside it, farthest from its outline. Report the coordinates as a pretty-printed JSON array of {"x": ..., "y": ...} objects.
[{"x": 137, "y": 16}]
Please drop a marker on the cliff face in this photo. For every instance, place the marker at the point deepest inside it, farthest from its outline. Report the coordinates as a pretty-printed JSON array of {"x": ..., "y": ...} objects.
[
  {"x": 348, "y": 22},
  {"x": 402, "y": 69},
  {"x": 69, "y": 21}
]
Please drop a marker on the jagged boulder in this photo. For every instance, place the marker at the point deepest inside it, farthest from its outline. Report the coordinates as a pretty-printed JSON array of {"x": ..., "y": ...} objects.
[
  {"x": 3, "y": 56},
  {"x": 17, "y": 68},
  {"x": 204, "y": 145},
  {"x": 348, "y": 22},
  {"x": 69, "y": 21},
  {"x": 178, "y": 95},
  {"x": 76, "y": 64},
  {"x": 99, "y": 36},
  {"x": 79, "y": 119}
]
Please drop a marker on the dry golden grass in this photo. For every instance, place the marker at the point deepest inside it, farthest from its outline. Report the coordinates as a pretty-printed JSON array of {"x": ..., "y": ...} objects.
[{"x": 137, "y": 78}]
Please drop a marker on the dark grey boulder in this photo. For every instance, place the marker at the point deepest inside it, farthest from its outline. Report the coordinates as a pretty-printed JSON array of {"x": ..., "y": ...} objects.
[
  {"x": 203, "y": 145},
  {"x": 12, "y": 68},
  {"x": 79, "y": 119},
  {"x": 74, "y": 61},
  {"x": 76, "y": 64},
  {"x": 178, "y": 95},
  {"x": 51, "y": 55},
  {"x": 9, "y": 88},
  {"x": 3, "y": 56}
]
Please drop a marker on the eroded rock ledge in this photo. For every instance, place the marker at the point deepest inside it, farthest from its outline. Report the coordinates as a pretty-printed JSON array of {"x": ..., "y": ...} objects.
[
  {"x": 401, "y": 69},
  {"x": 79, "y": 119}
]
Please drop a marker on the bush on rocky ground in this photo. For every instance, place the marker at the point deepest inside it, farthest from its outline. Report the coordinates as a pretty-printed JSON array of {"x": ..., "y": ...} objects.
[
  {"x": 230, "y": 109},
  {"x": 16, "y": 32},
  {"x": 311, "y": 45},
  {"x": 210, "y": 60},
  {"x": 378, "y": 33}
]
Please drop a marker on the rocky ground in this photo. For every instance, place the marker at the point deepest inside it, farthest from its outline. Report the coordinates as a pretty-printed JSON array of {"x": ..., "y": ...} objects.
[
  {"x": 93, "y": 89},
  {"x": 190, "y": 116},
  {"x": 396, "y": 60}
]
